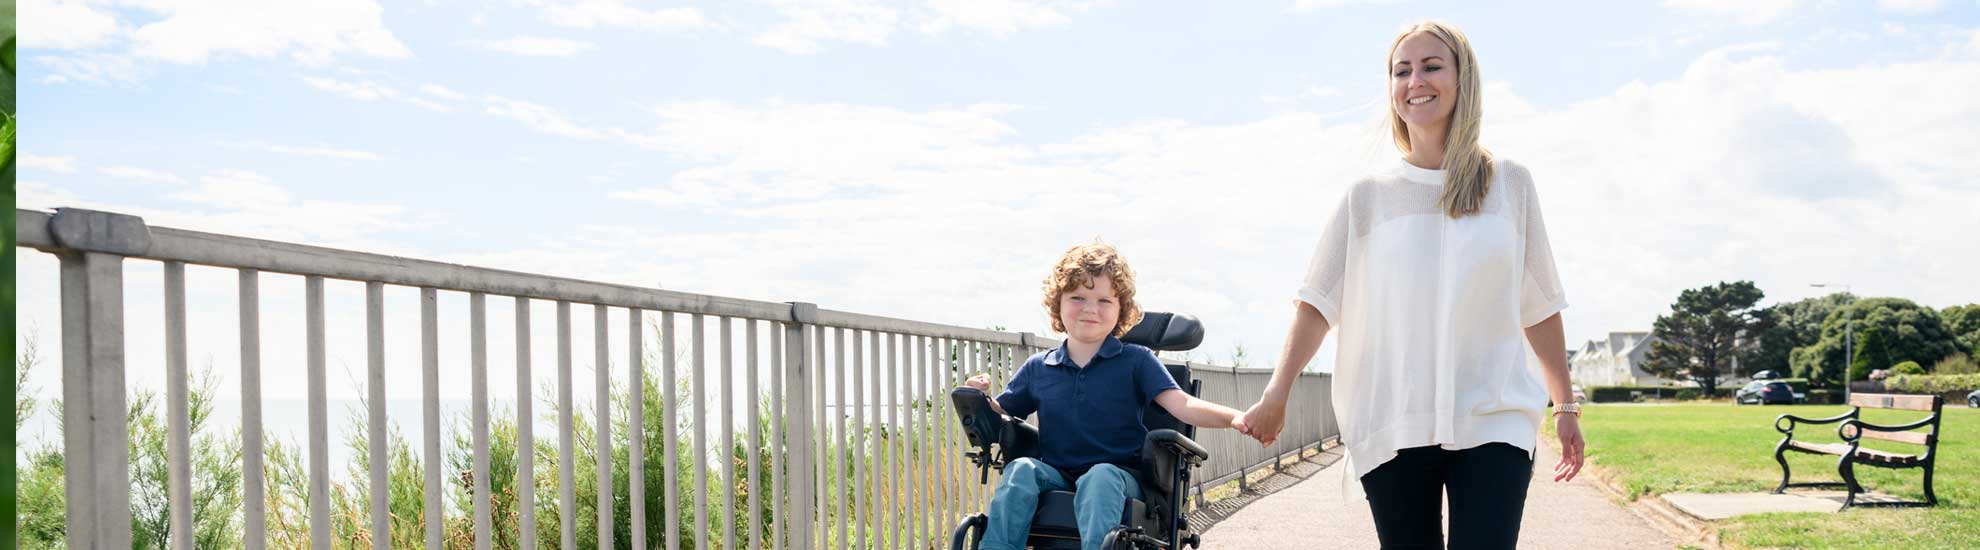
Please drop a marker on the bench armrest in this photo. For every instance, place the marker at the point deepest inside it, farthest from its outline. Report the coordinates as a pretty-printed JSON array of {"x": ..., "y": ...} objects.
[
  {"x": 1792, "y": 420},
  {"x": 1850, "y": 436}
]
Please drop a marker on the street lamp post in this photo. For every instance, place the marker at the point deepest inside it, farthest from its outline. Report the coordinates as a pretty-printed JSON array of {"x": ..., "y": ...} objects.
[{"x": 1849, "y": 340}]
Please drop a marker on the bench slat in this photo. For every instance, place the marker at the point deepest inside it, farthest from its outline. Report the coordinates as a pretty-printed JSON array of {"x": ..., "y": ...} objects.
[
  {"x": 1914, "y": 438},
  {"x": 1894, "y": 401},
  {"x": 1867, "y": 455}
]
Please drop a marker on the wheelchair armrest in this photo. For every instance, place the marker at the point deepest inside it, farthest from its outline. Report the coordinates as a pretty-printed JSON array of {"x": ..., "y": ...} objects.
[
  {"x": 999, "y": 439},
  {"x": 1180, "y": 444},
  {"x": 1164, "y": 453}
]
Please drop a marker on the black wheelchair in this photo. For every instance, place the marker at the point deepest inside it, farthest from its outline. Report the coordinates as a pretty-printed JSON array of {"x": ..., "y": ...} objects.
[{"x": 1155, "y": 521}]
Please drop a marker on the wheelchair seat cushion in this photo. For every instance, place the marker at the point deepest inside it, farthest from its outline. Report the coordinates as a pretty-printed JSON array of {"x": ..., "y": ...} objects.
[{"x": 1055, "y": 515}]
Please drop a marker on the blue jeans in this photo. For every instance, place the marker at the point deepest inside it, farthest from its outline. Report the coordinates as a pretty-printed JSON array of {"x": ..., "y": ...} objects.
[{"x": 1097, "y": 502}]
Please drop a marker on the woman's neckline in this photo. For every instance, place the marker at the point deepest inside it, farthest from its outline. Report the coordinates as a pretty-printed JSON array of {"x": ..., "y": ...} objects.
[{"x": 1418, "y": 174}]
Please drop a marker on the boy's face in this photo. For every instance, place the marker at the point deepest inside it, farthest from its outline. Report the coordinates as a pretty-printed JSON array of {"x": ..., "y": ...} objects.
[{"x": 1090, "y": 313}]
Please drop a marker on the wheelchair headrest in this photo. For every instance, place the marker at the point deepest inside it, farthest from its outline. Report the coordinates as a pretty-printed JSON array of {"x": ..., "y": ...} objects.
[{"x": 1161, "y": 331}]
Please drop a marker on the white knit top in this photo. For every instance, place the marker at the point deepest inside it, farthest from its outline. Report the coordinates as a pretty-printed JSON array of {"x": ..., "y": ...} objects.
[{"x": 1428, "y": 311}]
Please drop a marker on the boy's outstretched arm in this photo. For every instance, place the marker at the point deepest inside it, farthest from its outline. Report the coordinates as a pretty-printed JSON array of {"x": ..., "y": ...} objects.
[{"x": 1198, "y": 412}]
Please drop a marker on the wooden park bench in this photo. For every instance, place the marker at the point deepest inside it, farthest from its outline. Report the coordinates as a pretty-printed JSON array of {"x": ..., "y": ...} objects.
[{"x": 1853, "y": 430}]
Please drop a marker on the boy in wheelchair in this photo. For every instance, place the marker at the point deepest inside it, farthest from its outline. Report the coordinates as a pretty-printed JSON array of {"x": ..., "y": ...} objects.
[{"x": 1089, "y": 395}]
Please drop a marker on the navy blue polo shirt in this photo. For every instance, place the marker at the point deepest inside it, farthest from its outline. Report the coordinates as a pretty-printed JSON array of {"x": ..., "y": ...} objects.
[{"x": 1088, "y": 415}]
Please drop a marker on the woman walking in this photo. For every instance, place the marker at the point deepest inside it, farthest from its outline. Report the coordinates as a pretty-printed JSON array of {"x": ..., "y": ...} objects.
[{"x": 1432, "y": 272}]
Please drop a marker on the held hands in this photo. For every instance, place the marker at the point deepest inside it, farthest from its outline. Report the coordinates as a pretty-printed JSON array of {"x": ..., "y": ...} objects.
[
  {"x": 1568, "y": 427},
  {"x": 1262, "y": 422}
]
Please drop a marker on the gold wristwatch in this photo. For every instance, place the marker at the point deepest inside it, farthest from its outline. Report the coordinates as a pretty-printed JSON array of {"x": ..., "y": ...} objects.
[{"x": 1574, "y": 408}]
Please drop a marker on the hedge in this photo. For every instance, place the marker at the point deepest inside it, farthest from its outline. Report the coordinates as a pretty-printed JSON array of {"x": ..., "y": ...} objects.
[
  {"x": 1932, "y": 383},
  {"x": 1625, "y": 394},
  {"x": 1799, "y": 385}
]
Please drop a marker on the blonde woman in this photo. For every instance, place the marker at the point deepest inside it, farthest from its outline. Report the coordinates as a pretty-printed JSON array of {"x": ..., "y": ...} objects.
[{"x": 1432, "y": 272}]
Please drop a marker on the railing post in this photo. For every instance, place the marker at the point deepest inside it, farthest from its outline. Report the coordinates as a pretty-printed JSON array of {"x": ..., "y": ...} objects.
[
  {"x": 96, "y": 441},
  {"x": 797, "y": 385},
  {"x": 96, "y": 448}
]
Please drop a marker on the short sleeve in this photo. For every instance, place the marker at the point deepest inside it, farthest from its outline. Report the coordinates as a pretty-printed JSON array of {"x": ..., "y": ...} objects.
[
  {"x": 1540, "y": 293},
  {"x": 1151, "y": 378},
  {"x": 1020, "y": 399},
  {"x": 1326, "y": 271}
]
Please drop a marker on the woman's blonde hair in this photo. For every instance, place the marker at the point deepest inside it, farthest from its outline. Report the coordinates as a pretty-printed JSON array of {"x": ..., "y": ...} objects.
[
  {"x": 1078, "y": 268},
  {"x": 1467, "y": 165}
]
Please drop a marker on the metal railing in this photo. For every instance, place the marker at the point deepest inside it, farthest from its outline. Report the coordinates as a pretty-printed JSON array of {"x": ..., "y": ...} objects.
[{"x": 864, "y": 447}]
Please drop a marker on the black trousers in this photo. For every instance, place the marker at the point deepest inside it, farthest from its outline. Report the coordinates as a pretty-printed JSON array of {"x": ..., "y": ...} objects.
[{"x": 1487, "y": 486}]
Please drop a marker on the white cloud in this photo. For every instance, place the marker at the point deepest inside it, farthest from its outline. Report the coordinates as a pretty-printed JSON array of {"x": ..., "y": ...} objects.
[
  {"x": 538, "y": 117},
  {"x": 442, "y": 92},
  {"x": 56, "y": 164},
  {"x": 585, "y": 14},
  {"x": 361, "y": 91},
  {"x": 805, "y": 24},
  {"x": 35, "y": 195},
  {"x": 308, "y": 151},
  {"x": 366, "y": 90},
  {"x": 1749, "y": 12},
  {"x": 996, "y": 16},
  {"x": 89, "y": 67},
  {"x": 312, "y": 33},
  {"x": 118, "y": 45},
  {"x": 535, "y": 46},
  {"x": 64, "y": 25},
  {"x": 1311, "y": 5},
  {"x": 1910, "y": 7},
  {"x": 245, "y": 203},
  {"x": 140, "y": 174},
  {"x": 236, "y": 189}
]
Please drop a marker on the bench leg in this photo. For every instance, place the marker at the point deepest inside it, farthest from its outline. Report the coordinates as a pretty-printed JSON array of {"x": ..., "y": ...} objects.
[
  {"x": 1930, "y": 499},
  {"x": 1848, "y": 471},
  {"x": 1780, "y": 455}
]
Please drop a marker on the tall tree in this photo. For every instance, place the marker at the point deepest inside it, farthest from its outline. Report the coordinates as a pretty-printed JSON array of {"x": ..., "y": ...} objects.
[
  {"x": 1786, "y": 326},
  {"x": 1964, "y": 322},
  {"x": 1909, "y": 332},
  {"x": 1708, "y": 330}
]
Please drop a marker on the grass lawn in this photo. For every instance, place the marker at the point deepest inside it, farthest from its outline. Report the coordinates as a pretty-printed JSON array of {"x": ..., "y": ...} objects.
[{"x": 1718, "y": 447}]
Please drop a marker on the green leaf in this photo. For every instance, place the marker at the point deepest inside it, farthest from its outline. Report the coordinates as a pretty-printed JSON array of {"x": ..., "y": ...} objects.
[{"x": 7, "y": 147}]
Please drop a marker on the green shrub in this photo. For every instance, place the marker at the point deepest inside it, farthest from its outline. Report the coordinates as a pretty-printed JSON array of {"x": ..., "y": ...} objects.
[
  {"x": 1907, "y": 367},
  {"x": 1799, "y": 385},
  {"x": 1958, "y": 363},
  {"x": 1825, "y": 397},
  {"x": 1611, "y": 394},
  {"x": 1932, "y": 383}
]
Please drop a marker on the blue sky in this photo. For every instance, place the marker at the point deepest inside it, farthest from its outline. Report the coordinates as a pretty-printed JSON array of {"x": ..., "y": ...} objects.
[{"x": 929, "y": 160}]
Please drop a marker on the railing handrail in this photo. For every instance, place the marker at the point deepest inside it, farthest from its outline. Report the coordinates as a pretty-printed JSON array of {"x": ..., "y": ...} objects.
[{"x": 229, "y": 251}]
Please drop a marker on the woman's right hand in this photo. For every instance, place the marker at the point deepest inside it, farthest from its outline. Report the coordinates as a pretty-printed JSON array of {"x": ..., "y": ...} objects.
[
  {"x": 981, "y": 382},
  {"x": 1264, "y": 420}
]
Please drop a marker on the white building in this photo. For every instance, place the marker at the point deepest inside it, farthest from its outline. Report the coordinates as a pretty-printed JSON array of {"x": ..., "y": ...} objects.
[{"x": 1615, "y": 361}]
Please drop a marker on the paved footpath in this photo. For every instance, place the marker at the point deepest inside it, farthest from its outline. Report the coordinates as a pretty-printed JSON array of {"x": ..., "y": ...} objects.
[{"x": 1313, "y": 513}]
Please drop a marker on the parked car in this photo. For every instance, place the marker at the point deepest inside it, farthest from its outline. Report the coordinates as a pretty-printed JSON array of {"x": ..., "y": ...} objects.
[
  {"x": 1766, "y": 375},
  {"x": 1763, "y": 392},
  {"x": 1973, "y": 399}
]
